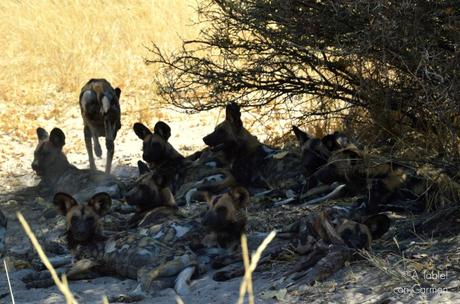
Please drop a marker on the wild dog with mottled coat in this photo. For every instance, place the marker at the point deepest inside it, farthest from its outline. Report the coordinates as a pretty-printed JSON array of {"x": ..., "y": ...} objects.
[
  {"x": 337, "y": 225},
  {"x": 335, "y": 159},
  {"x": 226, "y": 216},
  {"x": 150, "y": 191},
  {"x": 100, "y": 109},
  {"x": 57, "y": 174},
  {"x": 154, "y": 264},
  {"x": 252, "y": 163},
  {"x": 185, "y": 177}
]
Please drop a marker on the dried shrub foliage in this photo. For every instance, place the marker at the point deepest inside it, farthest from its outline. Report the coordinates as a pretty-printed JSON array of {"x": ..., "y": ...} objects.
[{"x": 388, "y": 70}]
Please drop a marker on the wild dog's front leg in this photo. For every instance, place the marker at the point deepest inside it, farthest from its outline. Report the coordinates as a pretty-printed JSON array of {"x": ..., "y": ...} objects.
[
  {"x": 82, "y": 269},
  {"x": 109, "y": 144},
  {"x": 89, "y": 147}
]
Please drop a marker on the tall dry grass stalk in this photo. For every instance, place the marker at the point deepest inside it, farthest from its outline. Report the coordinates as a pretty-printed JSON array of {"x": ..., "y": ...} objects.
[
  {"x": 51, "y": 48},
  {"x": 62, "y": 283},
  {"x": 251, "y": 265}
]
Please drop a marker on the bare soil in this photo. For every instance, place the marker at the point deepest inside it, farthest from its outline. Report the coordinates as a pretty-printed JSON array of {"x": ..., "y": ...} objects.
[{"x": 385, "y": 276}]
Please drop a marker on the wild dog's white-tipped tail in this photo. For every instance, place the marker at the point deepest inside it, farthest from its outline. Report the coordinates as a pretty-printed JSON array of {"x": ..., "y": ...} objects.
[{"x": 182, "y": 286}]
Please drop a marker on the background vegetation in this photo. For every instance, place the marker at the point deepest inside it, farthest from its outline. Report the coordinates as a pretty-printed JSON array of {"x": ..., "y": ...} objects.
[
  {"x": 51, "y": 48},
  {"x": 386, "y": 72}
]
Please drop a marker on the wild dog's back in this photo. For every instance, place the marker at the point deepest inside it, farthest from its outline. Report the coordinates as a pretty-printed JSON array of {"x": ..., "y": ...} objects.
[{"x": 98, "y": 97}]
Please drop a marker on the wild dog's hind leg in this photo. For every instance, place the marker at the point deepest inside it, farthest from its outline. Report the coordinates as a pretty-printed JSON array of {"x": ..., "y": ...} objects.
[{"x": 89, "y": 147}]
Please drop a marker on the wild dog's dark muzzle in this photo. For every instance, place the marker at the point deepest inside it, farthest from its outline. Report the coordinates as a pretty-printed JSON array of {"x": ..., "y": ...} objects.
[
  {"x": 37, "y": 168},
  {"x": 212, "y": 139},
  {"x": 217, "y": 143},
  {"x": 83, "y": 231}
]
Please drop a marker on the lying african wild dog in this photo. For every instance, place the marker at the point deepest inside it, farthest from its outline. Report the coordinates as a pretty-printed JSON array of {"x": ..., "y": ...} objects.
[
  {"x": 58, "y": 175},
  {"x": 226, "y": 216},
  {"x": 156, "y": 150},
  {"x": 150, "y": 191},
  {"x": 252, "y": 163},
  {"x": 128, "y": 254},
  {"x": 185, "y": 176},
  {"x": 335, "y": 159},
  {"x": 100, "y": 109},
  {"x": 336, "y": 225}
]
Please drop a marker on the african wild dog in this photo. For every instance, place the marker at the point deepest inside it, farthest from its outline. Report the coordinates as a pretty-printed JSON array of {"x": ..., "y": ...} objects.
[
  {"x": 156, "y": 150},
  {"x": 184, "y": 176},
  {"x": 334, "y": 225},
  {"x": 128, "y": 254},
  {"x": 335, "y": 159},
  {"x": 150, "y": 191},
  {"x": 58, "y": 175},
  {"x": 226, "y": 216},
  {"x": 252, "y": 163},
  {"x": 100, "y": 109},
  {"x": 315, "y": 152}
]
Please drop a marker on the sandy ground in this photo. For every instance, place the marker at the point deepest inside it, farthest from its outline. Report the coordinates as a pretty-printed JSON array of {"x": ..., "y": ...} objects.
[
  {"x": 16, "y": 174},
  {"x": 358, "y": 282}
]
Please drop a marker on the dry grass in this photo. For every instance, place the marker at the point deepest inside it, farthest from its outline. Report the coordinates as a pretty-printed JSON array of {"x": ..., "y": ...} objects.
[
  {"x": 62, "y": 283},
  {"x": 51, "y": 48},
  {"x": 250, "y": 266}
]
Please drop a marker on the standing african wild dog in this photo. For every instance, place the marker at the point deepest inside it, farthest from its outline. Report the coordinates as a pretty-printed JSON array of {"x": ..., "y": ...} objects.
[
  {"x": 100, "y": 109},
  {"x": 57, "y": 174},
  {"x": 253, "y": 163}
]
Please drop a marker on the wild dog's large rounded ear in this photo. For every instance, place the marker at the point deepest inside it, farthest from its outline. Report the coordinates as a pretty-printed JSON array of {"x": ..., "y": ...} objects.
[
  {"x": 233, "y": 115},
  {"x": 141, "y": 131},
  {"x": 143, "y": 168},
  {"x": 57, "y": 137},
  {"x": 378, "y": 225},
  {"x": 301, "y": 136},
  {"x": 64, "y": 202},
  {"x": 161, "y": 128},
  {"x": 118, "y": 92},
  {"x": 241, "y": 196},
  {"x": 101, "y": 203},
  {"x": 42, "y": 134}
]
